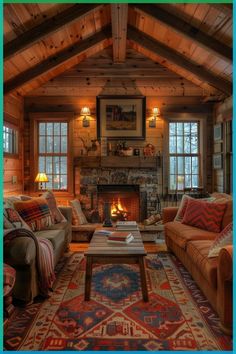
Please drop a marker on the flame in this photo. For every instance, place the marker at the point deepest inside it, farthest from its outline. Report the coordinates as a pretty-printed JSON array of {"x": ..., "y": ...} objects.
[{"x": 117, "y": 207}]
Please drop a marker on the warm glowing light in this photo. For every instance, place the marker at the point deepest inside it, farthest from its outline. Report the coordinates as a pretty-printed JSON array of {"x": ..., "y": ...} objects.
[
  {"x": 85, "y": 111},
  {"x": 117, "y": 208},
  {"x": 156, "y": 112}
]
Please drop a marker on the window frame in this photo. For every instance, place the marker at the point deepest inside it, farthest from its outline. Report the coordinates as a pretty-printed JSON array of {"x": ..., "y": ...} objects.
[
  {"x": 183, "y": 155},
  {"x": 47, "y": 117},
  {"x": 203, "y": 119},
  {"x": 16, "y": 129}
]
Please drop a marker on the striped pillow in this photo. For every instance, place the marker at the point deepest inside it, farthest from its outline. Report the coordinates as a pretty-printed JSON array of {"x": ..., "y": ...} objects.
[
  {"x": 35, "y": 212},
  {"x": 56, "y": 214},
  {"x": 225, "y": 238},
  {"x": 78, "y": 217},
  {"x": 204, "y": 215}
]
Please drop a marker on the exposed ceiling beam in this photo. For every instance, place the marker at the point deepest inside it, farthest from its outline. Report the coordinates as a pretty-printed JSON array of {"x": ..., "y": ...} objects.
[
  {"x": 28, "y": 38},
  {"x": 227, "y": 9},
  {"x": 119, "y": 17},
  {"x": 174, "y": 57},
  {"x": 54, "y": 61},
  {"x": 184, "y": 28}
]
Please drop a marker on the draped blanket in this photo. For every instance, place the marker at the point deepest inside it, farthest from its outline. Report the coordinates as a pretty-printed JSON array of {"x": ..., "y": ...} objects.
[{"x": 44, "y": 257}]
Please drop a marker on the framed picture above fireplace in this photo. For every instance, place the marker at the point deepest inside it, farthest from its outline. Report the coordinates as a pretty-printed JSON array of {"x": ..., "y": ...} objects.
[{"x": 121, "y": 117}]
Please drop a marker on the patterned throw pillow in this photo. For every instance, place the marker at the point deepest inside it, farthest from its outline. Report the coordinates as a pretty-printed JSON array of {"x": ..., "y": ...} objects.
[
  {"x": 225, "y": 238},
  {"x": 183, "y": 206},
  {"x": 78, "y": 217},
  {"x": 12, "y": 220},
  {"x": 204, "y": 215},
  {"x": 56, "y": 214},
  {"x": 35, "y": 213}
]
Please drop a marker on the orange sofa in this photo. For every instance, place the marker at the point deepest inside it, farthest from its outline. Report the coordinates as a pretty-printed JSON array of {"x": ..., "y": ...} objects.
[{"x": 213, "y": 275}]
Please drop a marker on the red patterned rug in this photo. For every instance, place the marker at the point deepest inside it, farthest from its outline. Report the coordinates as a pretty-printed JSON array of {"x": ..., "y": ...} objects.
[{"x": 177, "y": 316}]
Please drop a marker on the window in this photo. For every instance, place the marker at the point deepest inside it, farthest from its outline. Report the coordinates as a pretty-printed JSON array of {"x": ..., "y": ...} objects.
[
  {"x": 10, "y": 140},
  {"x": 53, "y": 153},
  {"x": 184, "y": 159}
]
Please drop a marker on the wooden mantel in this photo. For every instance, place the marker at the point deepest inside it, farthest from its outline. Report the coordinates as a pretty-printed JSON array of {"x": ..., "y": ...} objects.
[{"x": 117, "y": 161}]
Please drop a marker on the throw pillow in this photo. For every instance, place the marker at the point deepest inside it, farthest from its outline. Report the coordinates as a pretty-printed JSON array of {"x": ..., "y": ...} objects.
[
  {"x": 78, "y": 217},
  {"x": 183, "y": 205},
  {"x": 182, "y": 208},
  {"x": 204, "y": 215},
  {"x": 12, "y": 220},
  {"x": 35, "y": 213},
  {"x": 225, "y": 238},
  {"x": 56, "y": 214}
]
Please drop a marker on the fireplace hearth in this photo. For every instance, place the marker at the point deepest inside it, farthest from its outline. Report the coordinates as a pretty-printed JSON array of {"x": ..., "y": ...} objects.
[{"x": 124, "y": 201}]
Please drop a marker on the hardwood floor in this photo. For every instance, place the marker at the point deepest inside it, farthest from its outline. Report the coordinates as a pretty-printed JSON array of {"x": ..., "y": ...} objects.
[{"x": 150, "y": 247}]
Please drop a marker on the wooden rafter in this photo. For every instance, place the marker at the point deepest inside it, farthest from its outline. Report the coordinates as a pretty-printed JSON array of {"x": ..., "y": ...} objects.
[
  {"x": 28, "y": 38},
  {"x": 227, "y": 9},
  {"x": 174, "y": 57},
  {"x": 184, "y": 28},
  {"x": 54, "y": 61},
  {"x": 119, "y": 16}
]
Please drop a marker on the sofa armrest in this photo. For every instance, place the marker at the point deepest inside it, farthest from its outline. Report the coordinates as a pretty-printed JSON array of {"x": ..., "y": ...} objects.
[
  {"x": 20, "y": 251},
  {"x": 224, "y": 288},
  {"x": 168, "y": 214},
  {"x": 66, "y": 212}
]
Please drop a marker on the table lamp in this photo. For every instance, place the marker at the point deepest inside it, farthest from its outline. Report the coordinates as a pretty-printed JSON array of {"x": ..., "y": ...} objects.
[{"x": 40, "y": 178}]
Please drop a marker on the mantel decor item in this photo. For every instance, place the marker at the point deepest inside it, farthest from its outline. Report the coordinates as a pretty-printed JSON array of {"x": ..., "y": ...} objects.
[
  {"x": 218, "y": 132},
  {"x": 121, "y": 117}
]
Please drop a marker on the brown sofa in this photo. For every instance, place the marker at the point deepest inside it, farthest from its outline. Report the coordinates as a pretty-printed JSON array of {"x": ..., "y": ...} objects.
[
  {"x": 20, "y": 253},
  {"x": 213, "y": 275}
]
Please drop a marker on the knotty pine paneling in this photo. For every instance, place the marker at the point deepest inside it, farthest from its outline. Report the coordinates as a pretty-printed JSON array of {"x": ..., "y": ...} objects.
[{"x": 13, "y": 166}]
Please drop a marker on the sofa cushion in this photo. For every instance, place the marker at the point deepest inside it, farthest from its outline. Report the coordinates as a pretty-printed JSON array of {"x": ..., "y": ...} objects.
[
  {"x": 198, "y": 252},
  {"x": 78, "y": 217},
  {"x": 181, "y": 233},
  {"x": 35, "y": 212},
  {"x": 12, "y": 219},
  {"x": 57, "y": 237},
  {"x": 205, "y": 215},
  {"x": 56, "y": 214},
  {"x": 225, "y": 238}
]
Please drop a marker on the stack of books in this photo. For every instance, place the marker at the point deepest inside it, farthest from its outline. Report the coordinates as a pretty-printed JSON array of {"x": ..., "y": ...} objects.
[
  {"x": 126, "y": 225},
  {"x": 120, "y": 237}
]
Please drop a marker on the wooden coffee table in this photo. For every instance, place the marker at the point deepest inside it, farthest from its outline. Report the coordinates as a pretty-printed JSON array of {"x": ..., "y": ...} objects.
[{"x": 102, "y": 252}]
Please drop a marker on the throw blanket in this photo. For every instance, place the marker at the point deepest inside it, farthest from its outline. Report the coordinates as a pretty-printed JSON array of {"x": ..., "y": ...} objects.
[{"x": 44, "y": 258}]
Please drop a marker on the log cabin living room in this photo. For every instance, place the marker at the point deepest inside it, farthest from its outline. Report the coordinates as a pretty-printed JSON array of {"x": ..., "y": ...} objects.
[{"x": 117, "y": 143}]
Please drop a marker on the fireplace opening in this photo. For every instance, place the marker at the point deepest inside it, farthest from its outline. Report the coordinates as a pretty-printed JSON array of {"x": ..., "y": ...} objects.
[{"x": 124, "y": 201}]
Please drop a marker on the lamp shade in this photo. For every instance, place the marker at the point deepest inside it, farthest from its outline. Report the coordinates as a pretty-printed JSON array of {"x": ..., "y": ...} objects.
[
  {"x": 85, "y": 111},
  {"x": 41, "y": 177}
]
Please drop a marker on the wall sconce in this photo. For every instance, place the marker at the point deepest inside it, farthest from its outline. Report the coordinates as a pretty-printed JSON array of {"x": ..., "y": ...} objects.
[
  {"x": 85, "y": 111},
  {"x": 156, "y": 113}
]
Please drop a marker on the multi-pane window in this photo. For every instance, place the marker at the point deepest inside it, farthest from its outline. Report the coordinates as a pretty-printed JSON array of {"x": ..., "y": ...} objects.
[
  {"x": 10, "y": 140},
  {"x": 184, "y": 161},
  {"x": 53, "y": 153}
]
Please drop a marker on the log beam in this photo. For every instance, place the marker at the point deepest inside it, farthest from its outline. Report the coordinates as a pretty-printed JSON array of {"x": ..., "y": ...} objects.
[
  {"x": 160, "y": 49},
  {"x": 119, "y": 16},
  {"x": 54, "y": 61},
  {"x": 177, "y": 24},
  {"x": 28, "y": 38}
]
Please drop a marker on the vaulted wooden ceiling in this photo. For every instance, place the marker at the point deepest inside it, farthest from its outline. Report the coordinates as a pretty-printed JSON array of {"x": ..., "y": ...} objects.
[{"x": 191, "y": 41}]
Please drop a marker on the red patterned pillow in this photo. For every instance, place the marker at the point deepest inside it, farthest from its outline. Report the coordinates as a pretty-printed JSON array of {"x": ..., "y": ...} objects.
[
  {"x": 35, "y": 212},
  {"x": 205, "y": 215},
  {"x": 225, "y": 238}
]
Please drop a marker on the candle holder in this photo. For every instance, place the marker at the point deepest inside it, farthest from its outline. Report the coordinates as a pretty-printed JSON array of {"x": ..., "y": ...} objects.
[{"x": 107, "y": 215}]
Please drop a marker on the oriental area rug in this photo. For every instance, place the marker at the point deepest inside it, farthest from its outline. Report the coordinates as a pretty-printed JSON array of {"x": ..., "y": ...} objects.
[{"x": 177, "y": 316}]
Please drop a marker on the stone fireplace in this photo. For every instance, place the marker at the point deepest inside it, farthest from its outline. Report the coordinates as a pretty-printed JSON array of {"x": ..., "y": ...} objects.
[{"x": 136, "y": 188}]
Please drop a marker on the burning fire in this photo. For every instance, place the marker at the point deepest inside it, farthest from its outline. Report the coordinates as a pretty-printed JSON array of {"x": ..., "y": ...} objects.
[{"x": 118, "y": 210}]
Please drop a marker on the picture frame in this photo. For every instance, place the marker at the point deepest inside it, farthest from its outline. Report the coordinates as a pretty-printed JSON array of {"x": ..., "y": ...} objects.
[
  {"x": 121, "y": 117},
  {"x": 218, "y": 133},
  {"x": 217, "y": 161}
]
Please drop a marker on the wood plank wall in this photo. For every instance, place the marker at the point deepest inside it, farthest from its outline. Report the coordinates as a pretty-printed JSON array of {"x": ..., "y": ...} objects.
[
  {"x": 223, "y": 112},
  {"x": 13, "y": 166}
]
